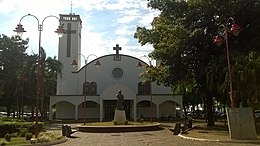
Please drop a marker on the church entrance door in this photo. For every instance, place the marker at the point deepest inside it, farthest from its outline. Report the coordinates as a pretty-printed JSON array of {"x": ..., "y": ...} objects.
[{"x": 109, "y": 109}]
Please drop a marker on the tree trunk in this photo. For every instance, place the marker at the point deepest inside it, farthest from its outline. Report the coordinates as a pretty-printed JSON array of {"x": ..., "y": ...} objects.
[
  {"x": 32, "y": 111},
  {"x": 8, "y": 110},
  {"x": 210, "y": 113},
  {"x": 185, "y": 110}
]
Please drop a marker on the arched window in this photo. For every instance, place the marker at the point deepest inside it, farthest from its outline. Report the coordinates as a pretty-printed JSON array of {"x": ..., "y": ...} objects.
[
  {"x": 90, "y": 88},
  {"x": 86, "y": 88},
  {"x": 144, "y": 88},
  {"x": 93, "y": 88},
  {"x": 144, "y": 103}
]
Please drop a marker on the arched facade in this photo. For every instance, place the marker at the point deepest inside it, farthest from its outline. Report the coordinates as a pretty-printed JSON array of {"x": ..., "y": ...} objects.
[{"x": 98, "y": 86}]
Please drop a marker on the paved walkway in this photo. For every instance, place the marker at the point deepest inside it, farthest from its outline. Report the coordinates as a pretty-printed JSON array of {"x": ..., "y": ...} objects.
[{"x": 149, "y": 138}]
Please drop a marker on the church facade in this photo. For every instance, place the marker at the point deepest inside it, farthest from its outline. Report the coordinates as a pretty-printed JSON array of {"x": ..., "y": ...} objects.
[{"x": 90, "y": 91}]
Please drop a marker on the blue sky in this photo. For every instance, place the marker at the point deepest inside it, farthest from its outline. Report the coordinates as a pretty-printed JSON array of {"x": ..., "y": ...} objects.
[{"x": 105, "y": 23}]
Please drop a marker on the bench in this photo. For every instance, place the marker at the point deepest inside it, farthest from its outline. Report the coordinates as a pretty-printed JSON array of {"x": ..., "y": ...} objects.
[
  {"x": 67, "y": 131},
  {"x": 181, "y": 126},
  {"x": 177, "y": 129}
]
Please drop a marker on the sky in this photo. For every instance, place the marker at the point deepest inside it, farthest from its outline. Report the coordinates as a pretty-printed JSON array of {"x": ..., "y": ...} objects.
[{"x": 105, "y": 23}]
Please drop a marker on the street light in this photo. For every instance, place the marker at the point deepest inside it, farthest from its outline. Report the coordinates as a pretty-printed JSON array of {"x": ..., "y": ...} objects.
[
  {"x": 20, "y": 30},
  {"x": 230, "y": 27},
  {"x": 74, "y": 63},
  {"x": 139, "y": 65}
]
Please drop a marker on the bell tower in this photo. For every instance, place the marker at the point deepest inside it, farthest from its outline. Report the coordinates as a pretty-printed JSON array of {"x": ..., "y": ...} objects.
[{"x": 69, "y": 48}]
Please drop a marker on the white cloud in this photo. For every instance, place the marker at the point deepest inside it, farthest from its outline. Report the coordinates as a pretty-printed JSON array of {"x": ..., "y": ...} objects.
[
  {"x": 126, "y": 14},
  {"x": 125, "y": 30},
  {"x": 147, "y": 19},
  {"x": 126, "y": 19},
  {"x": 7, "y": 6}
]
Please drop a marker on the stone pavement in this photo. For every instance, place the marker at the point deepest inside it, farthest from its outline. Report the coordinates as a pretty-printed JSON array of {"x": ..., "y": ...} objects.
[{"x": 148, "y": 138}]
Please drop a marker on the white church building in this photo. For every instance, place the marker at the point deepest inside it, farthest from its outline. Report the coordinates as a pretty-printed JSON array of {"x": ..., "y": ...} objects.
[{"x": 100, "y": 84}]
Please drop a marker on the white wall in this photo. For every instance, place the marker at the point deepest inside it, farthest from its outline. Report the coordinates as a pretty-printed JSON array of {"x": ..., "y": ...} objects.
[
  {"x": 104, "y": 79},
  {"x": 90, "y": 112},
  {"x": 65, "y": 110}
]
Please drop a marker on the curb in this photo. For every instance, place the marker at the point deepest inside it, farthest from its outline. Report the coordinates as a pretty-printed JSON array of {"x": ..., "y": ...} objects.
[
  {"x": 216, "y": 140},
  {"x": 119, "y": 128},
  {"x": 52, "y": 143}
]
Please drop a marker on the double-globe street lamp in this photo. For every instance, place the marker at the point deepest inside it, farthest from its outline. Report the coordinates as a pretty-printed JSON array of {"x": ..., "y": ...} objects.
[
  {"x": 139, "y": 65},
  {"x": 20, "y": 30},
  {"x": 74, "y": 63},
  {"x": 230, "y": 27}
]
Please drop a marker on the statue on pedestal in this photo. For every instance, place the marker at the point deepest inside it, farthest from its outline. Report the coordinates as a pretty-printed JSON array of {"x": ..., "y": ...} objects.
[
  {"x": 120, "y": 100},
  {"x": 119, "y": 117}
]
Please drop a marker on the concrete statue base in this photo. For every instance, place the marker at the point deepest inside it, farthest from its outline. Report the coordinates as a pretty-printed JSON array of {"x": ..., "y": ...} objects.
[
  {"x": 120, "y": 117},
  {"x": 241, "y": 123}
]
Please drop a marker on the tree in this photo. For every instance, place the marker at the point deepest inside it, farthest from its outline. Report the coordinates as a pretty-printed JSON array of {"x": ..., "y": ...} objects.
[
  {"x": 26, "y": 84},
  {"x": 51, "y": 68},
  {"x": 246, "y": 74},
  {"x": 12, "y": 53},
  {"x": 28, "y": 75},
  {"x": 182, "y": 39}
]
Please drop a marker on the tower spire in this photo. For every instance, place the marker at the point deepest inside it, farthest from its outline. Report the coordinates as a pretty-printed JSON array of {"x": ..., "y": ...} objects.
[{"x": 71, "y": 7}]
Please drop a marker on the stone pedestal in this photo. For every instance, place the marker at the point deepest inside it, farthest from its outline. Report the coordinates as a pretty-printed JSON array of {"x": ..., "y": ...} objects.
[
  {"x": 241, "y": 123},
  {"x": 119, "y": 116}
]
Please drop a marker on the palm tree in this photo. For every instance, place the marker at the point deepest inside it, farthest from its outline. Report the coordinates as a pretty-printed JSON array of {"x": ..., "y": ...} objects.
[{"x": 50, "y": 68}]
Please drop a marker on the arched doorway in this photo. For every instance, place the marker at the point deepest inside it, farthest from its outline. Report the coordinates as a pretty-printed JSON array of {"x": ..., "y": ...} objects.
[
  {"x": 168, "y": 109},
  {"x": 92, "y": 110},
  {"x": 143, "y": 108},
  {"x": 63, "y": 110}
]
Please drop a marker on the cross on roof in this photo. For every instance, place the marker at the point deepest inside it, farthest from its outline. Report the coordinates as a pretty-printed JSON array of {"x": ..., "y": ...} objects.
[
  {"x": 117, "y": 48},
  {"x": 117, "y": 57}
]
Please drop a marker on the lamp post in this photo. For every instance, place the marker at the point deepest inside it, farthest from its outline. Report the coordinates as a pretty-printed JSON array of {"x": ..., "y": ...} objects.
[
  {"x": 230, "y": 27},
  {"x": 74, "y": 63},
  {"x": 20, "y": 30},
  {"x": 139, "y": 65}
]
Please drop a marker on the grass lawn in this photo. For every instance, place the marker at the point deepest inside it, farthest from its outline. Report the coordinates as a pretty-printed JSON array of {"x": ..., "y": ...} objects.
[
  {"x": 42, "y": 138},
  {"x": 110, "y": 123},
  {"x": 217, "y": 132},
  {"x": 17, "y": 141}
]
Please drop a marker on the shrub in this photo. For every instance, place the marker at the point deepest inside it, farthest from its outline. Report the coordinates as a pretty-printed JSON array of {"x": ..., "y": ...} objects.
[
  {"x": 8, "y": 137},
  {"x": 126, "y": 122},
  {"x": 28, "y": 136},
  {"x": 14, "y": 134},
  {"x": 2, "y": 143},
  {"x": 46, "y": 137},
  {"x": 9, "y": 119},
  {"x": 43, "y": 139},
  {"x": 115, "y": 122},
  {"x": 23, "y": 131},
  {"x": 33, "y": 140},
  {"x": 140, "y": 120},
  {"x": 15, "y": 127}
]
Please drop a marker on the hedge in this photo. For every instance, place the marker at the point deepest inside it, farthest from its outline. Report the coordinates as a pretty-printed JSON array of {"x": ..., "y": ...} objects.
[{"x": 15, "y": 127}]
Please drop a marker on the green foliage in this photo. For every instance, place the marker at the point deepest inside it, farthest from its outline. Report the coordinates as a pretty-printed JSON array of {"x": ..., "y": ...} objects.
[
  {"x": 15, "y": 127},
  {"x": 246, "y": 75},
  {"x": 8, "y": 137},
  {"x": 182, "y": 39},
  {"x": 140, "y": 120},
  {"x": 115, "y": 123},
  {"x": 12, "y": 53},
  {"x": 8, "y": 119},
  {"x": 47, "y": 137},
  {"x": 18, "y": 73},
  {"x": 28, "y": 136},
  {"x": 2, "y": 143},
  {"x": 23, "y": 132}
]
